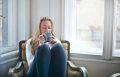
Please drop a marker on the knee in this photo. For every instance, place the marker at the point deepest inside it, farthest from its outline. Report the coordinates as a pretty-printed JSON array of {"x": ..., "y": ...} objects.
[
  {"x": 43, "y": 46},
  {"x": 58, "y": 46},
  {"x": 58, "y": 51},
  {"x": 43, "y": 49}
]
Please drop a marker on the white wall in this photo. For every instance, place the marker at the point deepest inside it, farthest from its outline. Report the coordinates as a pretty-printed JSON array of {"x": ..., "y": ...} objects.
[
  {"x": 98, "y": 68},
  {"x": 40, "y": 8},
  {"x": 23, "y": 19}
]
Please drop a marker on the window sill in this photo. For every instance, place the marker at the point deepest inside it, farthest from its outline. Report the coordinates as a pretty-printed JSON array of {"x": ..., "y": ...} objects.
[
  {"x": 4, "y": 50},
  {"x": 8, "y": 57},
  {"x": 93, "y": 58}
]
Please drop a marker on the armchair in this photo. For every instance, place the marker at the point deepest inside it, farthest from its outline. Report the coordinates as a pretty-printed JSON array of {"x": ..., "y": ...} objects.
[{"x": 22, "y": 66}]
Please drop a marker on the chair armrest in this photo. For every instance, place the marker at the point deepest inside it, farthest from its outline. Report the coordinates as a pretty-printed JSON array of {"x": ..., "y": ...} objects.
[
  {"x": 116, "y": 75},
  {"x": 81, "y": 70},
  {"x": 16, "y": 70},
  {"x": 18, "y": 67}
]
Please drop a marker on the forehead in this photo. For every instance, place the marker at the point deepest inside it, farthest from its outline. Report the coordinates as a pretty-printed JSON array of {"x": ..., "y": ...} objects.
[{"x": 46, "y": 23}]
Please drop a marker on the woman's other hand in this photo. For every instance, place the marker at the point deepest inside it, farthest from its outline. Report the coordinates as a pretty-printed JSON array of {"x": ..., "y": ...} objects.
[
  {"x": 53, "y": 40},
  {"x": 41, "y": 39}
]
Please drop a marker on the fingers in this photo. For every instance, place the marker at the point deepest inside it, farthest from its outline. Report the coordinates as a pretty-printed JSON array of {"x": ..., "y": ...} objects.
[
  {"x": 41, "y": 39},
  {"x": 53, "y": 41},
  {"x": 50, "y": 39}
]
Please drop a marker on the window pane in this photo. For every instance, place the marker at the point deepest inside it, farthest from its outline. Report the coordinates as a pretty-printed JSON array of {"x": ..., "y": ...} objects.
[
  {"x": 117, "y": 16},
  {"x": 8, "y": 26},
  {"x": 89, "y": 29}
]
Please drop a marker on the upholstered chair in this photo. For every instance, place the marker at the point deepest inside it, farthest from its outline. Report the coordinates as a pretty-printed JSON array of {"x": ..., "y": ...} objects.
[{"x": 21, "y": 67}]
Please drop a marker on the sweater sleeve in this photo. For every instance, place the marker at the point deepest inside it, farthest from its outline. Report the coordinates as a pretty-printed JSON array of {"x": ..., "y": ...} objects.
[{"x": 29, "y": 55}]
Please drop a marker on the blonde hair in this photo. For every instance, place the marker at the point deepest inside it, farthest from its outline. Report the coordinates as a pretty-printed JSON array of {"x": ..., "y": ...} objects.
[{"x": 35, "y": 42}]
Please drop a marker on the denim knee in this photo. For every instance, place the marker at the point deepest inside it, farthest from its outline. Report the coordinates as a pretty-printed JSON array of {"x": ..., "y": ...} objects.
[
  {"x": 59, "y": 50},
  {"x": 44, "y": 48},
  {"x": 58, "y": 46}
]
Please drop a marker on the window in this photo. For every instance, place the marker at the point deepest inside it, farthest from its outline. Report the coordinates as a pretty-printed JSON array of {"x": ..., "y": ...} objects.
[
  {"x": 117, "y": 24},
  {"x": 90, "y": 26},
  {"x": 94, "y": 27},
  {"x": 8, "y": 29}
]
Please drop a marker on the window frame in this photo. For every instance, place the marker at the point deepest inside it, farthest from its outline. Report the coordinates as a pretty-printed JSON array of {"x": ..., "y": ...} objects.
[
  {"x": 108, "y": 40},
  {"x": 9, "y": 30},
  {"x": 20, "y": 30},
  {"x": 19, "y": 24}
]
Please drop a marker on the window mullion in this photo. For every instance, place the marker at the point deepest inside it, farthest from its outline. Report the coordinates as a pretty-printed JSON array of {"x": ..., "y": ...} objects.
[
  {"x": 108, "y": 44},
  {"x": 12, "y": 22}
]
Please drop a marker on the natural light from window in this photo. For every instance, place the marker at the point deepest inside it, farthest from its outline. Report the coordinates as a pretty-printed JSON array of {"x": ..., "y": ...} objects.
[
  {"x": 90, "y": 27},
  {"x": 8, "y": 39},
  {"x": 117, "y": 23}
]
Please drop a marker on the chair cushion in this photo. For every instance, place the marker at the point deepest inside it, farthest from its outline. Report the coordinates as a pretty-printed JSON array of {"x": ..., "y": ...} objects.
[
  {"x": 23, "y": 52},
  {"x": 24, "y": 60},
  {"x": 65, "y": 45}
]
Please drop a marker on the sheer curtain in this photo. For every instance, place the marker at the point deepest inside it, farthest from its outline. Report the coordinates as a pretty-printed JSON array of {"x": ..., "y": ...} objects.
[{"x": 68, "y": 20}]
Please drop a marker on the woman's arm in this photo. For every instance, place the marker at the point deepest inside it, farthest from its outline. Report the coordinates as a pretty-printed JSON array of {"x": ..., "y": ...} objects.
[{"x": 29, "y": 55}]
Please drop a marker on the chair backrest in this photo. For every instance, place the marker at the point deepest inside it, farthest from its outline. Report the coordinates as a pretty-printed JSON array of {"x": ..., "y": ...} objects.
[{"x": 22, "y": 51}]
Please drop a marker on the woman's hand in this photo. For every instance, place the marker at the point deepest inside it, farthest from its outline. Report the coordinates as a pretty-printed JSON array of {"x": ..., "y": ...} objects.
[
  {"x": 41, "y": 39},
  {"x": 53, "y": 40}
]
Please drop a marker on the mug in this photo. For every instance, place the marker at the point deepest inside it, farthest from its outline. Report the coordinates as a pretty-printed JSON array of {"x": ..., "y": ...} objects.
[{"x": 47, "y": 36}]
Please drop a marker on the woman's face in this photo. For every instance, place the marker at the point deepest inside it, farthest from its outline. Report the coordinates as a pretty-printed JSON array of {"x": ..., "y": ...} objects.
[{"x": 45, "y": 27}]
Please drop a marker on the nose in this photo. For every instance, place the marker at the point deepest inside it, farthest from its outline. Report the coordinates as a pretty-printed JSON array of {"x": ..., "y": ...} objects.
[{"x": 47, "y": 30}]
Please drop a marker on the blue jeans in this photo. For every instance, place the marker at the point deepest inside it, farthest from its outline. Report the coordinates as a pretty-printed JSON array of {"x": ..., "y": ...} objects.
[{"x": 48, "y": 62}]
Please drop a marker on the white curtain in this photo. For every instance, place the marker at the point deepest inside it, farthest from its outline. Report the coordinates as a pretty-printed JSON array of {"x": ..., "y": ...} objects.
[{"x": 68, "y": 28}]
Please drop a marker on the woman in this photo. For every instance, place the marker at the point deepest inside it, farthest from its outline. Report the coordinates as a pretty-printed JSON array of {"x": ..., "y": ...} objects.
[{"x": 45, "y": 58}]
